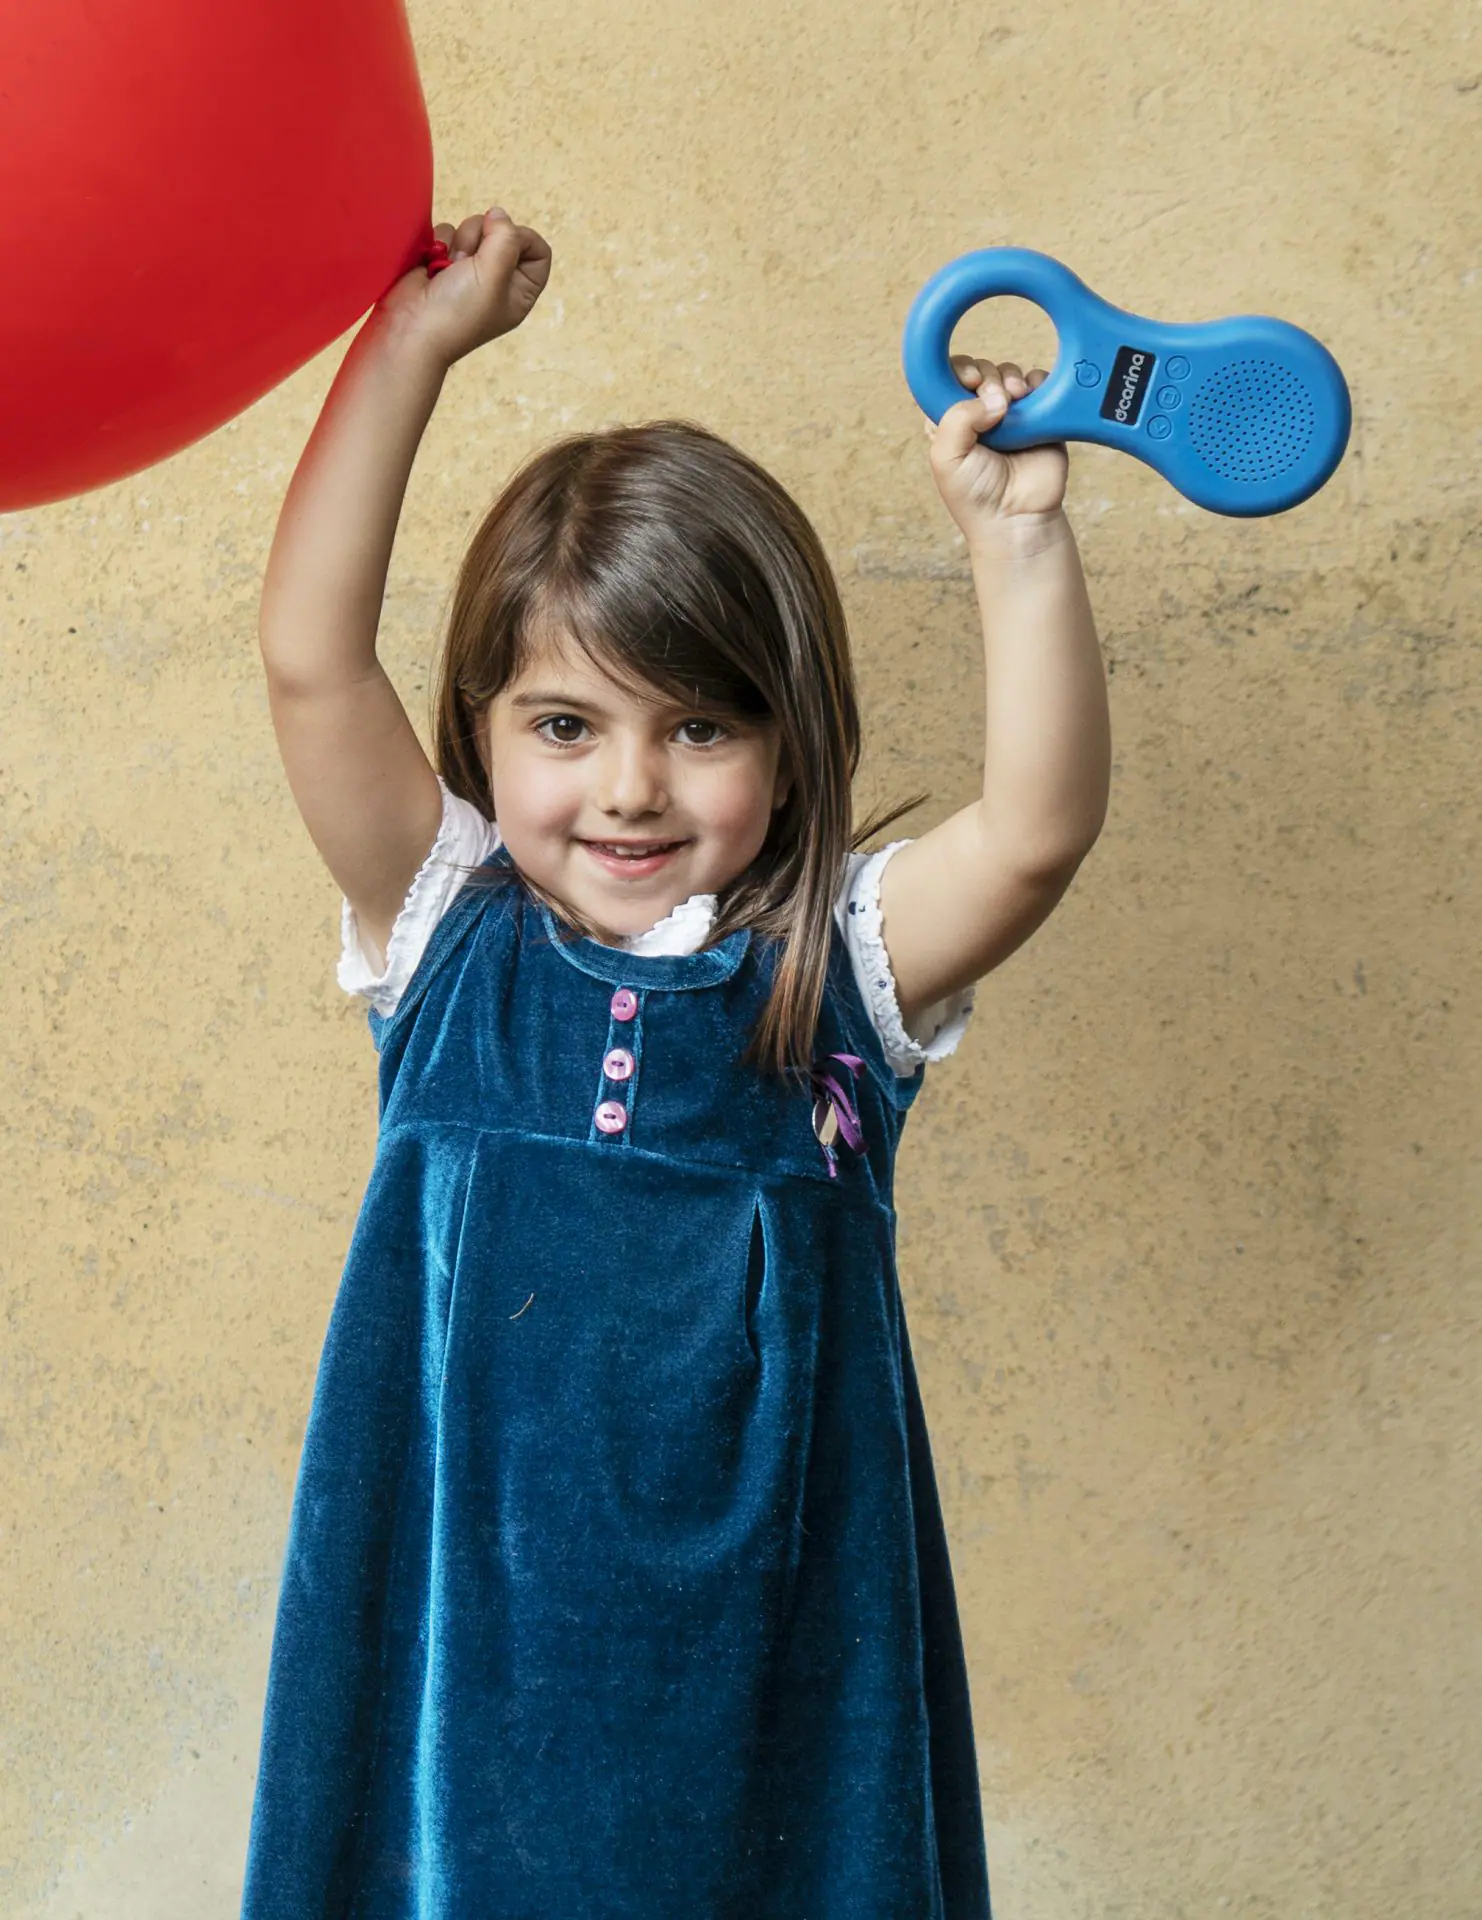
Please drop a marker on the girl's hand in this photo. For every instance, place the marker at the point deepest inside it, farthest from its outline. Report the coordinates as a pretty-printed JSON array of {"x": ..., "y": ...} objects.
[
  {"x": 496, "y": 274},
  {"x": 984, "y": 489}
]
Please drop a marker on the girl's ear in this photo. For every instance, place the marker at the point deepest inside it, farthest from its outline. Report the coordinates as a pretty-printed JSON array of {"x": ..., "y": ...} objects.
[{"x": 782, "y": 786}]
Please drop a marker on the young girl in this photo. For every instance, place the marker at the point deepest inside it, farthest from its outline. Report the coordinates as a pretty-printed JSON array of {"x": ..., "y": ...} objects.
[{"x": 617, "y": 1587}]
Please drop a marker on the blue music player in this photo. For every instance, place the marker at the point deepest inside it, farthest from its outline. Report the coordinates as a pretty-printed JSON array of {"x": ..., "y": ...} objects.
[{"x": 1245, "y": 416}]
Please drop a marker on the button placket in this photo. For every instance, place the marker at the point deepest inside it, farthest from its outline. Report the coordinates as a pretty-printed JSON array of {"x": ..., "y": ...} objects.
[{"x": 612, "y": 1111}]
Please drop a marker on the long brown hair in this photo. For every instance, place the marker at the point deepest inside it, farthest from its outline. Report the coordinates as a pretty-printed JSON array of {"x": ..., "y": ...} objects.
[{"x": 676, "y": 562}]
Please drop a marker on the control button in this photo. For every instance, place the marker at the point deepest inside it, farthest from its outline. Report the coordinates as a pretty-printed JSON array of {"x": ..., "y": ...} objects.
[
  {"x": 1159, "y": 426},
  {"x": 624, "y": 1004},
  {"x": 611, "y": 1116},
  {"x": 618, "y": 1065},
  {"x": 1087, "y": 373},
  {"x": 1177, "y": 368},
  {"x": 1170, "y": 397}
]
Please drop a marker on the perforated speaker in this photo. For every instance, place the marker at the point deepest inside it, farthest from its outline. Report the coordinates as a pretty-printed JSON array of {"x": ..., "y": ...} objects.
[
  {"x": 1252, "y": 421},
  {"x": 1245, "y": 416}
]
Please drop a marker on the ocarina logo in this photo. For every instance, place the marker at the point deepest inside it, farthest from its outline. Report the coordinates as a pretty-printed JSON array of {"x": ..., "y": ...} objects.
[{"x": 1128, "y": 385}]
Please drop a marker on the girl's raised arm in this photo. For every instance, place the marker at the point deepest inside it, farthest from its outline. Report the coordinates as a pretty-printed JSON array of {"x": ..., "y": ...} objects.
[
  {"x": 365, "y": 788},
  {"x": 958, "y": 901}
]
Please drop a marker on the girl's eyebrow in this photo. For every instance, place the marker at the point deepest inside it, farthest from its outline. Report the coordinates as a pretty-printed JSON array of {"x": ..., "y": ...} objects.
[
  {"x": 564, "y": 700},
  {"x": 578, "y": 703}
]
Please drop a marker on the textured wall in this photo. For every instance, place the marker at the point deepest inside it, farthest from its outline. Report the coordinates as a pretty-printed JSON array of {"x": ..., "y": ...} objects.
[{"x": 1190, "y": 1238}]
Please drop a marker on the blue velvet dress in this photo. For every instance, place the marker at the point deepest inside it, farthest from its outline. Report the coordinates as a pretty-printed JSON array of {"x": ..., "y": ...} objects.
[{"x": 616, "y": 1586}]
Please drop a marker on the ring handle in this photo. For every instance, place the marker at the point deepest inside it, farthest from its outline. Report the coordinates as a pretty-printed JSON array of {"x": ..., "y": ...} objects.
[{"x": 961, "y": 285}]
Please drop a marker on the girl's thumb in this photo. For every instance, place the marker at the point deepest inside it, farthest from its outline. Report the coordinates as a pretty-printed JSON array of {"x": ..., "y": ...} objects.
[{"x": 964, "y": 421}]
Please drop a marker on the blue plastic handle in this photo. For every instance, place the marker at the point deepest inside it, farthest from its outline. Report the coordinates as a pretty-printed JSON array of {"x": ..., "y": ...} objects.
[{"x": 1245, "y": 416}]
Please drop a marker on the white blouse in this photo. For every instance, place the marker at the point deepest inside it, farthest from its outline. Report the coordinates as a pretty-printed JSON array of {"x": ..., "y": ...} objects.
[{"x": 466, "y": 838}]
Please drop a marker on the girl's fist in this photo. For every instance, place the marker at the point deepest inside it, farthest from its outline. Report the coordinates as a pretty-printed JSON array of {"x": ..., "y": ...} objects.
[
  {"x": 980, "y": 487},
  {"x": 495, "y": 274}
]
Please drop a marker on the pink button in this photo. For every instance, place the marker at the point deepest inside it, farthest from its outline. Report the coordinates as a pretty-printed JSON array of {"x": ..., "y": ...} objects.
[
  {"x": 618, "y": 1065},
  {"x": 624, "y": 1004},
  {"x": 611, "y": 1116}
]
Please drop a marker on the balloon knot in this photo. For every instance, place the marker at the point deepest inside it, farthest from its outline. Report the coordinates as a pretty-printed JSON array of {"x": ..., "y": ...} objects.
[{"x": 436, "y": 258}]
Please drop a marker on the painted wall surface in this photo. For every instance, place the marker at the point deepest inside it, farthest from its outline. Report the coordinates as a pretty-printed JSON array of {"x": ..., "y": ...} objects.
[{"x": 1191, "y": 1223}]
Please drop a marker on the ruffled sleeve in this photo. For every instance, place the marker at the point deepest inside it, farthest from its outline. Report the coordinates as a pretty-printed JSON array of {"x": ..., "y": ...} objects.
[
  {"x": 464, "y": 839},
  {"x": 935, "y": 1032}
]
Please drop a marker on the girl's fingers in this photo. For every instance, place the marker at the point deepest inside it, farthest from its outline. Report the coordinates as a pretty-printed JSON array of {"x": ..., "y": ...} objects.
[
  {"x": 496, "y": 223},
  {"x": 995, "y": 387},
  {"x": 1008, "y": 374},
  {"x": 985, "y": 376},
  {"x": 470, "y": 232},
  {"x": 464, "y": 239}
]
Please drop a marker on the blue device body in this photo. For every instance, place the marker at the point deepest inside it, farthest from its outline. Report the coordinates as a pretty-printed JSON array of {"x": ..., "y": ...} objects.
[{"x": 1245, "y": 416}]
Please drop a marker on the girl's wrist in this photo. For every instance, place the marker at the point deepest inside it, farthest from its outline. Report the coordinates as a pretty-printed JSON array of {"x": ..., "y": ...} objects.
[
  {"x": 1018, "y": 536},
  {"x": 392, "y": 340}
]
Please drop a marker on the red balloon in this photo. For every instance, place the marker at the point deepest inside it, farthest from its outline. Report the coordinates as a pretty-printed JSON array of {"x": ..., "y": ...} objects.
[{"x": 196, "y": 196}]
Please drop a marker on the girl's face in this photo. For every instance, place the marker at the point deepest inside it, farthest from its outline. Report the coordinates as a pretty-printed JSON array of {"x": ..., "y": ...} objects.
[{"x": 621, "y": 805}]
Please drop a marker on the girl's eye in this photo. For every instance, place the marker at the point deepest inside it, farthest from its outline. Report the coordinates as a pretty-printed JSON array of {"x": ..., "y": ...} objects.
[
  {"x": 565, "y": 729},
  {"x": 568, "y": 729}
]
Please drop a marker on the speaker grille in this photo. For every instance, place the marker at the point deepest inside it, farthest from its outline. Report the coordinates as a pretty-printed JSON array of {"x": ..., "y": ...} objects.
[{"x": 1252, "y": 420}]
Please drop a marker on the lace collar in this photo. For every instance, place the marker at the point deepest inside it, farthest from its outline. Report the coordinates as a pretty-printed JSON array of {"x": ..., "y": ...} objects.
[{"x": 683, "y": 931}]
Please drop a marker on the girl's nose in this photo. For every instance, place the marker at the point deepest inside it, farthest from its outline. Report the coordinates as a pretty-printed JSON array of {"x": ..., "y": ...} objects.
[{"x": 631, "y": 780}]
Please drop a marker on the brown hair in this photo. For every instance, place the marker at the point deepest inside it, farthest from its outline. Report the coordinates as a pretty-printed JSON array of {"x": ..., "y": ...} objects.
[{"x": 676, "y": 562}]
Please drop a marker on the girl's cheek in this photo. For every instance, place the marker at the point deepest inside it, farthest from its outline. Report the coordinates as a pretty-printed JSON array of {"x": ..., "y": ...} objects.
[
  {"x": 533, "y": 790},
  {"x": 738, "y": 808}
]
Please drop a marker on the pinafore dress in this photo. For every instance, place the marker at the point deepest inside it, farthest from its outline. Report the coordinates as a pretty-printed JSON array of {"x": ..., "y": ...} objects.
[{"x": 616, "y": 1585}]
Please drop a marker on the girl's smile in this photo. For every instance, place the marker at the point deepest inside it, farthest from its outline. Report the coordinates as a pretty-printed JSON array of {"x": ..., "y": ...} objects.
[
  {"x": 619, "y": 802},
  {"x": 634, "y": 858}
]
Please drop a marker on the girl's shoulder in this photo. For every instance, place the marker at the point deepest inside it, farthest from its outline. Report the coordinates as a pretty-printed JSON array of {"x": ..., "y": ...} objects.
[
  {"x": 935, "y": 1032},
  {"x": 465, "y": 839}
]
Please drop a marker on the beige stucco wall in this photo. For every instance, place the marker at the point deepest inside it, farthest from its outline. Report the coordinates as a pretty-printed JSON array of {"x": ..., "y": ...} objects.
[{"x": 1191, "y": 1224}]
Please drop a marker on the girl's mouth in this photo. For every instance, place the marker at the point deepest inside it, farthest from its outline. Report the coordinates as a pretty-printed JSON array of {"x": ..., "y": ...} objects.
[{"x": 634, "y": 859}]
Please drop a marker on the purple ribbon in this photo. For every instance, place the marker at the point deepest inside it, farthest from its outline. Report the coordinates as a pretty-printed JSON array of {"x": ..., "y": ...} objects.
[{"x": 827, "y": 1086}]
